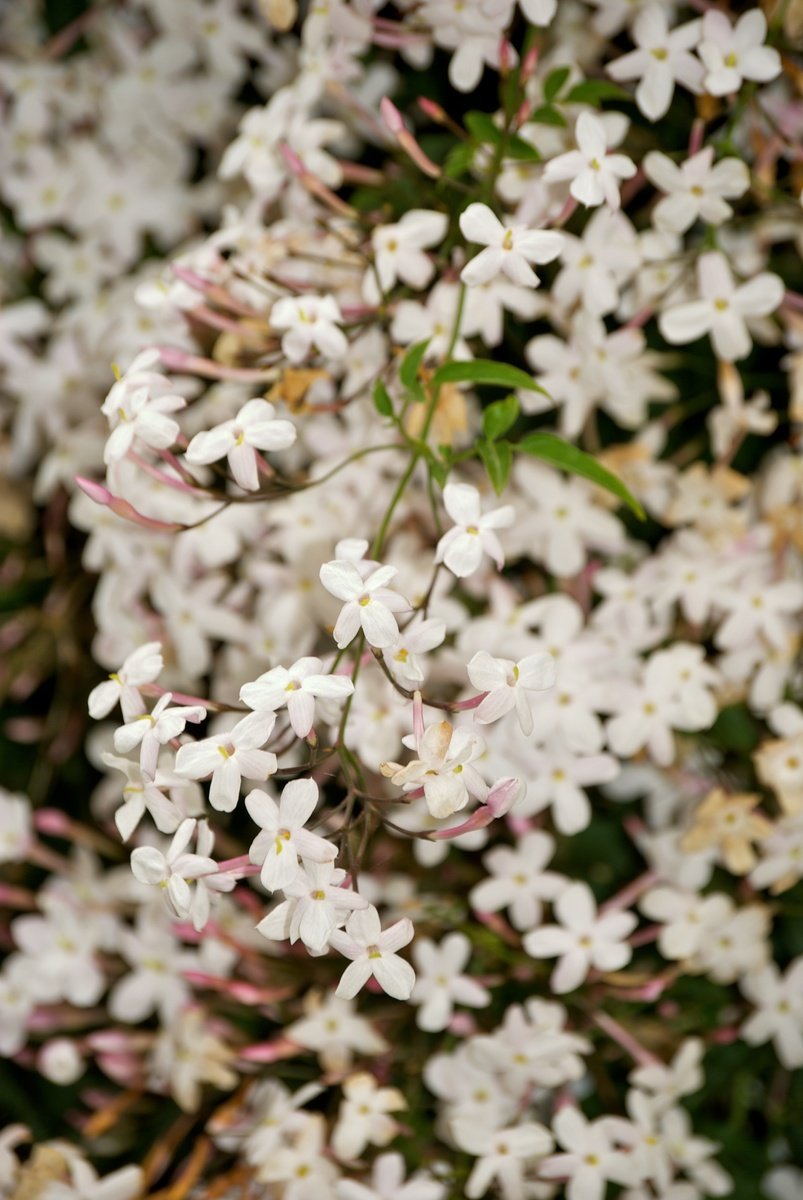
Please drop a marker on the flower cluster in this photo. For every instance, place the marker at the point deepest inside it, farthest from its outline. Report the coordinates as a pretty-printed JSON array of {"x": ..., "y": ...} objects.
[{"x": 444, "y": 492}]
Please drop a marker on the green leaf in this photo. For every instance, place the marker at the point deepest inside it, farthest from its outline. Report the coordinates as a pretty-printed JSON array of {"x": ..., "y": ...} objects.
[
  {"x": 498, "y": 459},
  {"x": 458, "y": 160},
  {"x": 382, "y": 401},
  {"x": 408, "y": 371},
  {"x": 592, "y": 91},
  {"x": 547, "y": 115},
  {"x": 484, "y": 370},
  {"x": 438, "y": 470},
  {"x": 554, "y": 82},
  {"x": 499, "y": 416},
  {"x": 516, "y": 147},
  {"x": 562, "y": 454},
  {"x": 483, "y": 127}
]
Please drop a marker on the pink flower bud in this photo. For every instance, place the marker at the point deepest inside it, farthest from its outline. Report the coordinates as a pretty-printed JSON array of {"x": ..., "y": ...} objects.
[{"x": 503, "y": 795}]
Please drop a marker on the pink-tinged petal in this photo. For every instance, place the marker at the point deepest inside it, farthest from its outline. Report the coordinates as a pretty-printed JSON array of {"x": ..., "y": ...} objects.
[
  {"x": 480, "y": 224},
  {"x": 379, "y": 625},
  {"x": 252, "y": 731},
  {"x": 348, "y": 624},
  {"x": 315, "y": 848},
  {"x": 565, "y": 166},
  {"x": 242, "y": 460},
  {"x": 519, "y": 271},
  {"x": 462, "y": 503},
  {"x": 148, "y": 865},
  {"x": 548, "y": 942},
  {"x": 654, "y": 93},
  {"x": 180, "y": 895},
  {"x": 271, "y": 435},
  {"x": 329, "y": 687},
  {"x": 301, "y": 710},
  {"x": 714, "y": 276},
  {"x": 395, "y": 976},
  {"x": 262, "y": 809},
  {"x": 397, "y": 935},
  {"x": 760, "y": 297},
  {"x": 355, "y": 977},
  {"x": 537, "y": 671},
  {"x": 575, "y": 907},
  {"x": 686, "y": 322},
  {"x": 298, "y": 802},
  {"x": 487, "y": 672},
  {"x": 661, "y": 171},
  {"x": 588, "y": 189},
  {"x": 211, "y": 445},
  {"x": 276, "y": 925},
  {"x": 196, "y": 760},
  {"x": 569, "y": 973},
  {"x": 342, "y": 579},
  {"x": 496, "y": 704},
  {"x": 484, "y": 267},
  {"x": 730, "y": 337},
  {"x": 590, "y": 136},
  {"x": 539, "y": 245},
  {"x": 281, "y": 865},
  {"x": 462, "y": 552},
  {"x": 224, "y": 791}
]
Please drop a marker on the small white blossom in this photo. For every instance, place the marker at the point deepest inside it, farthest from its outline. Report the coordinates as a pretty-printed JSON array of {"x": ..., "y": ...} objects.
[
  {"x": 461, "y": 548},
  {"x": 509, "y": 249}
]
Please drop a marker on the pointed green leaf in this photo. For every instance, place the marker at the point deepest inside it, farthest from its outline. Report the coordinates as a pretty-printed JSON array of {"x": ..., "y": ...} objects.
[
  {"x": 592, "y": 91},
  {"x": 408, "y": 371},
  {"x": 498, "y": 417},
  {"x": 559, "y": 453},
  {"x": 483, "y": 127},
  {"x": 498, "y": 459},
  {"x": 482, "y": 370},
  {"x": 547, "y": 115},
  {"x": 516, "y": 147},
  {"x": 554, "y": 82},
  {"x": 382, "y": 401}
]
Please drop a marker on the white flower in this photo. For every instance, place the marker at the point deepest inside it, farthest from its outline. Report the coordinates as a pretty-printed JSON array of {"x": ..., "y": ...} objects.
[
  {"x": 254, "y": 428},
  {"x": 518, "y": 880},
  {"x": 583, "y": 939},
  {"x": 151, "y": 730},
  {"x": 502, "y": 1154},
  {"x": 316, "y": 902},
  {"x": 388, "y": 1183},
  {"x": 723, "y": 309},
  {"x": 779, "y": 1016},
  {"x": 507, "y": 684},
  {"x": 363, "y": 1119},
  {"x": 284, "y": 839},
  {"x": 682, "y": 1077},
  {"x": 142, "y": 666},
  {"x": 372, "y": 951},
  {"x": 335, "y": 1031},
  {"x": 594, "y": 173},
  {"x": 141, "y": 793},
  {"x": 462, "y": 548},
  {"x": 399, "y": 251},
  {"x": 85, "y": 1184},
  {"x": 590, "y": 1159},
  {"x": 697, "y": 189},
  {"x": 509, "y": 250},
  {"x": 440, "y": 982},
  {"x": 137, "y": 407},
  {"x": 311, "y": 322},
  {"x": 175, "y": 870},
  {"x": 663, "y": 58},
  {"x": 735, "y": 417},
  {"x": 443, "y": 768},
  {"x": 229, "y": 758},
  {"x": 401, "y": 657},
  {"x": 15, "y": 826},
  {"x": 733, "y": 53},
  {"x": 297, "y": 687},
  {"x": 369, "y": 604}
]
